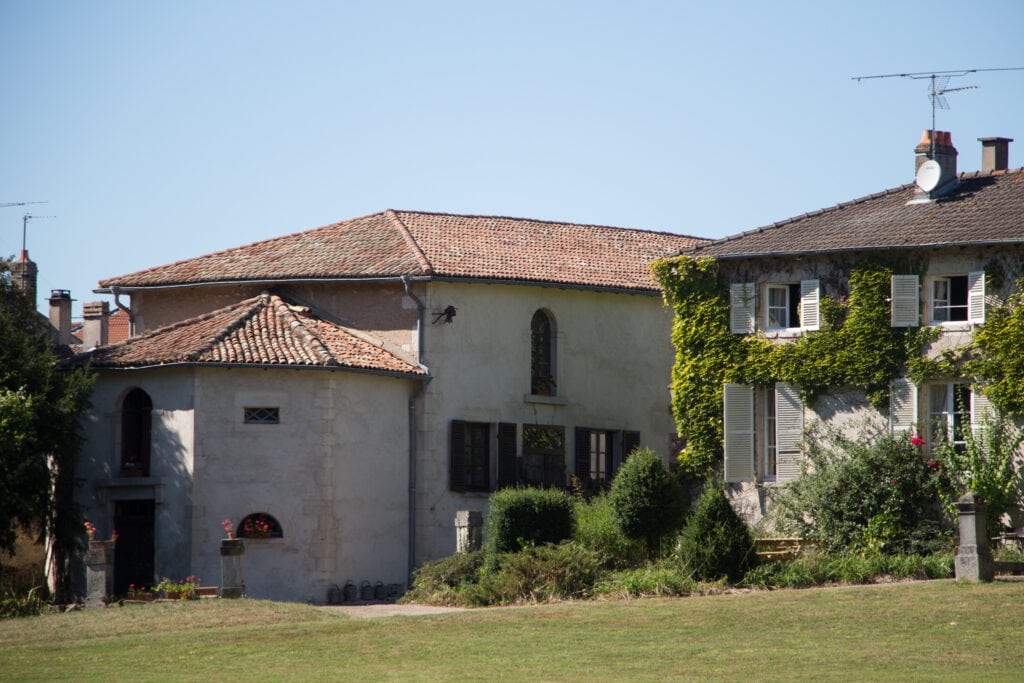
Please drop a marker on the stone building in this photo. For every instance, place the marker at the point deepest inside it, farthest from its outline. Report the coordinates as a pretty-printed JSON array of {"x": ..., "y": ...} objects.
[{"x": 348, "y": 389}]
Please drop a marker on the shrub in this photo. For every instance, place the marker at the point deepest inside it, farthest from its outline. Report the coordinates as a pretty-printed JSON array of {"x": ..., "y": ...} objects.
[
  {"x": 597, "y": 530},
  {"x": 716, "y": 542},
  {"x": 816, "y": 569},
  {"x": 526, "y": 517},
  {"x": 647, "y": 502},
  {"x": 655, "y": 580},
  {"x": 21, "y": 605},
  {"x": 876, "y": 495},
  {"x": 985, "y": 465},
  {"x": 538, "y": 574},
  {"x": 441, "y": 582}
]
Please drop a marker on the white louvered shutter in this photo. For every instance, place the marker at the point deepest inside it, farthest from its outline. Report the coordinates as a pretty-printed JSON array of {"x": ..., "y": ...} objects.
[
  {"x": 738, "y": 400},
  {"x": 982, "y": 411},
  {"x": 906, "y": 301},
  {"x": 810, "y": 312},
  {"x": 741, "y": 308},
  {"x": 789, "y": 431},
  {"x": 976, "y": 297},
  {"x": 902, "y": 405}
]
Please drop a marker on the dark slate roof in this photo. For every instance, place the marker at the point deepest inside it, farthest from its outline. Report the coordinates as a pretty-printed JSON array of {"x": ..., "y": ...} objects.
[
  {"x": 396, "y": 243},
  {"x": 264, "y": 330},
  {"x": 986, "y": 208}
]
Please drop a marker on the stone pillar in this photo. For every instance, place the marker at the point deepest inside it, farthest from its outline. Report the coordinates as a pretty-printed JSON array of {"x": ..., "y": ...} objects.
[
  {"x": 973, "y": 558},
  {"x": 232, "y": 568},
  {"x": 99, "y": 573},
  {"x": 469, "y": 531}
]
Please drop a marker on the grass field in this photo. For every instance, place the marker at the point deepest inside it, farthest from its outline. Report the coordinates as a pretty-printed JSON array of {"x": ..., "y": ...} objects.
[{"x": 909, "y": 631}]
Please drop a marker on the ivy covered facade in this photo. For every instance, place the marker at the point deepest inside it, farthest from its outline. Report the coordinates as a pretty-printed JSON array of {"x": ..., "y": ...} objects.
[{"x": 898, "y": 310}]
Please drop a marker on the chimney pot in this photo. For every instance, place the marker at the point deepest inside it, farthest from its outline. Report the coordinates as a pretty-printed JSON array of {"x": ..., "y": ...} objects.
[
  {"x": 60, "y": 314},
  {"x": 25, "y": 275},
  {"x": 995, "y": 154},
  {"x": 95, "y": 323}
]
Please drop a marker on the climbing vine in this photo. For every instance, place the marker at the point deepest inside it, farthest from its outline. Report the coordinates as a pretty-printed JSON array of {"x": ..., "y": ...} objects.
[
  {"x": 855, "y": 347},
  {"x": 997, "y": 355}
]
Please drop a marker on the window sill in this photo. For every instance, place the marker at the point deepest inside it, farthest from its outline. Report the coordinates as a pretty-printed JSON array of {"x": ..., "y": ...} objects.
[
  {"x": 784, "y": 333},
  {"x": 128, "y": 482},
  {"x": 473, "y": 494},
  {"x": 954, "y": 326},
  {"x": 546, "y": 400}
]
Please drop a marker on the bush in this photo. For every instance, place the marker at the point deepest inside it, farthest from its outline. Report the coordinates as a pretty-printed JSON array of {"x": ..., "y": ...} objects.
[
  {"x": 647, "y": 502},
  {"x": 538, "y": 574},
  {"x": 986, "y": 465},
  {"x": 655, "y": 580},
  {"x": 817, "y": 569},
  {"x": 26, "y": 604},
  {"x": 441, "y": 582},
  {"x": 597, "y": 530},
  {"x": 526, "y": 517},
  {"x": 716, "y": 542},
  {"x": 876, "y": 496}
]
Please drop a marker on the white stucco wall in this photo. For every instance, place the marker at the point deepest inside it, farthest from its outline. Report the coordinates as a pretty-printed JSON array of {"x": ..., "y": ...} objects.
[
  {"x": 613, "y": 360},
  {"x": 334, "y": 473}
]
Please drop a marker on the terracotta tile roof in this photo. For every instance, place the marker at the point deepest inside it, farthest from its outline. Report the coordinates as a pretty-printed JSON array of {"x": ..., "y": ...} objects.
[
  {"x": 263, "y": 330},
  {"x": 396, "y": 243},
  {"x": 118, "y": 327},
  {"x": 986, "y": 208}
]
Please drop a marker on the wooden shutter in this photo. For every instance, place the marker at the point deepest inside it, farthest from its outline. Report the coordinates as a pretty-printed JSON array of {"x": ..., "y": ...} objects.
[
  {"x": 741, "y": 308},
  {"x": 582, "y": 454},
  {"x": 982, "y": 412},
  {"x": 630, "y": 442},
  {"x": 902, "y": 405},
  {"x": 976, "y": 297},
  {"x": 906, "y": 301},
  {"x": 458, "y": 456},
  {"x": 789, "y": 431},
  {"x": 810, "y": 311},
  {"x": 738, "y": 416},
  {"x": 506, "y": 455}
]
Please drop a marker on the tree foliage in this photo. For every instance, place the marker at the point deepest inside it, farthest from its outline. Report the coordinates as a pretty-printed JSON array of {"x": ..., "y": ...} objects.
[
  {"x": 40, "y": 402},
  {"x": 647, "y": 502}
]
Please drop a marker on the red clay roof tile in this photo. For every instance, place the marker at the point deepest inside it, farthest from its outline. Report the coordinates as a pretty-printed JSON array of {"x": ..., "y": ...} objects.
[
  {"x": 264, "y": 330},
  {"x": 396, "y": 243}
]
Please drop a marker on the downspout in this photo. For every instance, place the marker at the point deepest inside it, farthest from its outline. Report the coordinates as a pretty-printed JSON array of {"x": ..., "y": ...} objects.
[
  {"x": 127, "y": 311},
  {"x": 420, "y": 310}
]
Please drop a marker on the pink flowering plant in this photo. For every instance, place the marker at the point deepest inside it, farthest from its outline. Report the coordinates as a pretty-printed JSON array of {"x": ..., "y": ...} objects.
[
  {"x": 183, "y": 589},
  {"x": 874, "y": 493}
]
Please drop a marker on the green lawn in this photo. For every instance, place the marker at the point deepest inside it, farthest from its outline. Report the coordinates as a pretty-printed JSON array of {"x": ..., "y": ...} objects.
[{"x": 932, "y": 630}]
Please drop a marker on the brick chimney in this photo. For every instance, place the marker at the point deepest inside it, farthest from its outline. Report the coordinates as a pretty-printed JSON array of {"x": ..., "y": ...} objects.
[
  {"x": 944, "y": 154},
  {"x": 24, "y": 275},
  {"x": 96, "y": 323},
  {"x": 995, "y": 154},
  {"x": 60, "y": 314}
]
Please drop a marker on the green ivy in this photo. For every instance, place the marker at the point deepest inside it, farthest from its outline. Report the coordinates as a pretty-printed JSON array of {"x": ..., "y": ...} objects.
[
  {"x": 997, "y": 356},
  {"x": 855, "y": 347}
]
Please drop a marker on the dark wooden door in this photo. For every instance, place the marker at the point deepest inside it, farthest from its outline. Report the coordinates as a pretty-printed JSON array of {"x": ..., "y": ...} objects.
[{"x": 133, "y": 555}]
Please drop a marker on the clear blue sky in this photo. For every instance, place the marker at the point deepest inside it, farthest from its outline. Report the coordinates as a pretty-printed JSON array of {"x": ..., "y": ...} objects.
[{"x": 163, "y": 130}]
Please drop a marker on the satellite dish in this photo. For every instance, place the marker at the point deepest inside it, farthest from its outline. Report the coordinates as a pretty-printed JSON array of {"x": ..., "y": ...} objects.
[{"x": 928, "y": 175}]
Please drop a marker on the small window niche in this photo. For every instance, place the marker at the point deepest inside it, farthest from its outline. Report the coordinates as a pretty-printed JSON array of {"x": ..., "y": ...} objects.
[
  {"x": 259, "y": 525},
  {"x": 262, "y": 416}
]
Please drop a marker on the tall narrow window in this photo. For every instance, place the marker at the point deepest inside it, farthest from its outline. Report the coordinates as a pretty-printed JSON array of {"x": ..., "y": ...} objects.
[
  {"x": 542, "y": 366},
  {"x": 770, "y": 436},
  {"x": 136, "y": 430},
  {"x": 949, "y": 412}
]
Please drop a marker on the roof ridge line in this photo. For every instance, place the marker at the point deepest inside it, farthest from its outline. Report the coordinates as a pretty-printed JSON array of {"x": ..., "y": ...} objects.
[
  {"x": 297, "y": 327},
  {"x": 407, "y": 235},
  {"x": 550, "y": 222},
  {"x": 239, "y": 322}
]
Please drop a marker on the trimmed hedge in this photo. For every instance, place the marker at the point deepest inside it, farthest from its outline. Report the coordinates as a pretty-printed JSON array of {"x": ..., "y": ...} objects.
[
  {"x": 526, "y": 517},
  {"x": 716, "y": 542},
  {"x": 647, "y": 502}
]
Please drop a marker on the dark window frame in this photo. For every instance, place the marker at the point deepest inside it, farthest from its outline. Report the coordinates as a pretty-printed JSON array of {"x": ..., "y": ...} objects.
[
  {"x": 542, "y": 355},
  {"x": 136, "y": 433}
]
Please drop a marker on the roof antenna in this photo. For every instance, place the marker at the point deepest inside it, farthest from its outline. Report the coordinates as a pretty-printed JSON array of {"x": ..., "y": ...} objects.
[
  {"x": 24, "y": 229},
  {"x": 938, "y": 87}
]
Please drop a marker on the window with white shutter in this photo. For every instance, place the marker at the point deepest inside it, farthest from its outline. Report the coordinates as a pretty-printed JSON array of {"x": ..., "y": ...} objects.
[
  {"x": 902, "y": 405},
  {"x": 810, "y": 316},
  {"x": 738, "y": 409},
  {"x": 789, "y": 431},
  {"x": 957, "y": 298},
  {"x": 976, "y": 297},
  {"x": 906, "y": 301},
  {"x": 741, "y": 308}
]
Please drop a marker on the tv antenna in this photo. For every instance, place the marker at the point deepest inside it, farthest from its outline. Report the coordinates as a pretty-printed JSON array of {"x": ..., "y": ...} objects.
[
  {"x": 938, "y": 86},
  {"x": 6, "y": 204},
  {"x": 24, "y": 228}
]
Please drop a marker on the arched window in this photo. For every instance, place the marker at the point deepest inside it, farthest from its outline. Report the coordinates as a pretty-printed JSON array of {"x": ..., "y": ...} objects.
[
  {"x": 542, "y": 356},
  {"x": 259, "y": 525},
  {"x": 136, "y": 433}
]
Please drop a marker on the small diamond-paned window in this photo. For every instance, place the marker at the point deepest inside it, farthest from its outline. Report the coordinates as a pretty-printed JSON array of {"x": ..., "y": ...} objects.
[{"x": 262, "y": 416}]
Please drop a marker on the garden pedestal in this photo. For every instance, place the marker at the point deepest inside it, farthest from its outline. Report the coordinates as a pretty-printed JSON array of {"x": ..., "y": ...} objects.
[
  {"x": 973, "y": 558},
  {"x": 469, "y": 531},
  {"x": 232, "y": 569},
  {"x": 99, "y": 573}
]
